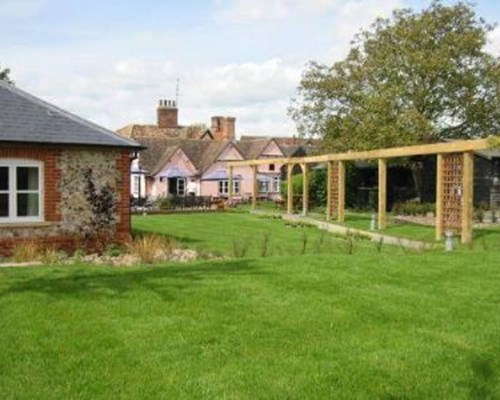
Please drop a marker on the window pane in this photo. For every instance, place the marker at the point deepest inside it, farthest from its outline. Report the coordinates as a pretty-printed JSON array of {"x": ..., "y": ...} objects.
[
  {"x": 27, "y": 204},
  {"x": 27, "y": 178},
  {"x": 4, "y": 204},
  {"x": 4, "y": 178}
]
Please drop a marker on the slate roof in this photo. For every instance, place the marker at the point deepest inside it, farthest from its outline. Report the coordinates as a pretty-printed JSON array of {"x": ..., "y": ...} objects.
[{"x": 25, "y": 118}]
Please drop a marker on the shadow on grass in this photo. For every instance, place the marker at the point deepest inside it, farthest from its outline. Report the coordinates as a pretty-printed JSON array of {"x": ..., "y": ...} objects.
[
  {"x": 483, "y": 379},
  {"x": 87, "y": 283}
]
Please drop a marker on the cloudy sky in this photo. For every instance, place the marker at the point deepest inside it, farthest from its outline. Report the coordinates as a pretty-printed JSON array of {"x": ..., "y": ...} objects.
[{"x": 110, "y": 61}]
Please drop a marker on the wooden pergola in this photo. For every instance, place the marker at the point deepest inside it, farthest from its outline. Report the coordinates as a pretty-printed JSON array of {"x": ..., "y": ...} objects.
[{"x": 454, "y": 181}]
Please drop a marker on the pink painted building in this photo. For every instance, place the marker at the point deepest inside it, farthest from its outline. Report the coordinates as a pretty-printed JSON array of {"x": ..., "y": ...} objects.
[{"x": 192, "y": 160}]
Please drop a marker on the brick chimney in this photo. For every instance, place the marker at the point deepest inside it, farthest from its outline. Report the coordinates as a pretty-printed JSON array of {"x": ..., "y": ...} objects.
[
  {"x": 223, "y": 128},
  {"x": 167, "y": 114}
]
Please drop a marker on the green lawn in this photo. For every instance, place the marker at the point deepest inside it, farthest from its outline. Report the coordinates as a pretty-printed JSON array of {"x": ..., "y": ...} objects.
[
  {"x": 221, "y": 232},
  {"x": 394, "y": 228},
  {"x": 325, "y": 324}
]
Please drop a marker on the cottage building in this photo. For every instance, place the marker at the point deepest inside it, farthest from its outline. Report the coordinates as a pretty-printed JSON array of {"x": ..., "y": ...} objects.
[
  {"x": 64, "y": 181},
  {"x": 196, "y": 156},
  {"x": 183, "y": 167}
]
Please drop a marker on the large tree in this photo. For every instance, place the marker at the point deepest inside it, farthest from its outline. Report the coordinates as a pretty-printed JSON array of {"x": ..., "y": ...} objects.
[
  {"x": 416, "y": 77},
  {"x": 4, "y": 75}
]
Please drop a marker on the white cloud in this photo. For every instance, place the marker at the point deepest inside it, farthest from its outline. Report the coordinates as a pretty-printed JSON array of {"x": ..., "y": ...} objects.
[
  {"x": 239, "y": 84},
  {"x": 493, "y": 45},
  {"x": 127, "y": 91}
]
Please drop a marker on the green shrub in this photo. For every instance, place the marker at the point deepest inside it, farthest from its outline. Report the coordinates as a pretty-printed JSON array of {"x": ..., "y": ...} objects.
[
  {"x": 318, "y": 186},
  {"x": 164, "y": 203},
  {"x": 413, "y": 208},
  {"x": 114, "y": 250}
]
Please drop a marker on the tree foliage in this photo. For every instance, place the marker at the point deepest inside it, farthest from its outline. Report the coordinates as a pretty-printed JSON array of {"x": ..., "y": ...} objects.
[
  {"x": 416, "y": 77},
  {"x": 4, "y": 75}
]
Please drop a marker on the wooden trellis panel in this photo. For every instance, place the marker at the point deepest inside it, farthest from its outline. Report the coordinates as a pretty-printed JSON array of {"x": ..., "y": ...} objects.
[
  {"x": 452, "y": 191},
  {"x": 333, "y": 189}
]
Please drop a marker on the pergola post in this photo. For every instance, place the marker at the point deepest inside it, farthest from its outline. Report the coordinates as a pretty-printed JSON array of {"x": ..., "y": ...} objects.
[
  {"x": 329, "y": 190},
  {"x": 382, "y": 193},
  {"x": 341, "y": 192},
  {"x": 255, "y": 187},
  {"x": 289, "y": 187},
  {"x": 305, "y": 189},
  {"x": 467, "y": 196},
  {"x": 230, "y": 184},
  {"x": 439, "y": 197}
]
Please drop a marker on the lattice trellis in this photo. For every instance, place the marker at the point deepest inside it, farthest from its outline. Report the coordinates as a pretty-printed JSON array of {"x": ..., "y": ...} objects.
[
  {"x": 334, "y": 189},
  {"x": 453, "y": 168}
]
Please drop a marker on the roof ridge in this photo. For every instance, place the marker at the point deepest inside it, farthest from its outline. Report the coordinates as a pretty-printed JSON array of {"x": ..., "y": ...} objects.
[{"x": 67, "y": 114}]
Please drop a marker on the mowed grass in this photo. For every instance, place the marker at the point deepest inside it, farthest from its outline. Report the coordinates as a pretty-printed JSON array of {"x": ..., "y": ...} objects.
[
  {"x": 394, "y": 228},
  {"x": 220, "y": 233},
  {"x": 389, "y": 324}
]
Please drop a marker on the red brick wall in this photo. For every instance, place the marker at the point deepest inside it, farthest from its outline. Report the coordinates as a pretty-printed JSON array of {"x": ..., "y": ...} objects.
[{"x": 50, "y": 155}]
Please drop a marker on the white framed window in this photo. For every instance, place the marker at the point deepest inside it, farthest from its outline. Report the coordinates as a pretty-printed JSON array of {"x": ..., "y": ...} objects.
[
  {"x": 136, "y": 184},
  {"x": 264, "y": 186},
  {"x": 276, "y": 184},
  {"x": 21, "y": 190},
  {"x": 224, "y": 187},
  {"x": 181, "y": 187}
]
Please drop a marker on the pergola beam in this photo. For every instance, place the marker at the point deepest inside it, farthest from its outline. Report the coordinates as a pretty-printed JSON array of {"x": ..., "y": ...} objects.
[
  {"x": 382, "y": 193},
  {"x": 255, "y": 187},
  {"x": 289, "y": 183},
  {"x": 305, "y": 189},
  {"x": 458, "y": 146},
  {"x": 467, "y": 197},
  {"x": 439, "y": 197},
  {"x": 341, "y": 192},
  {"x": 329, "y": 199}
]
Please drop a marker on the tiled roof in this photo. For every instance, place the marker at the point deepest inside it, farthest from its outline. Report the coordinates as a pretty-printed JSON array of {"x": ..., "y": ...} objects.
[
  {"x": 25, "y": 118},
  {"x": 290, "y": 146},
  {"x": 251, "y": 149},
  {"x": 182, "y": 132},
  {"x": 202, "y": 153},
  {"x": 284, "y": 140}
]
